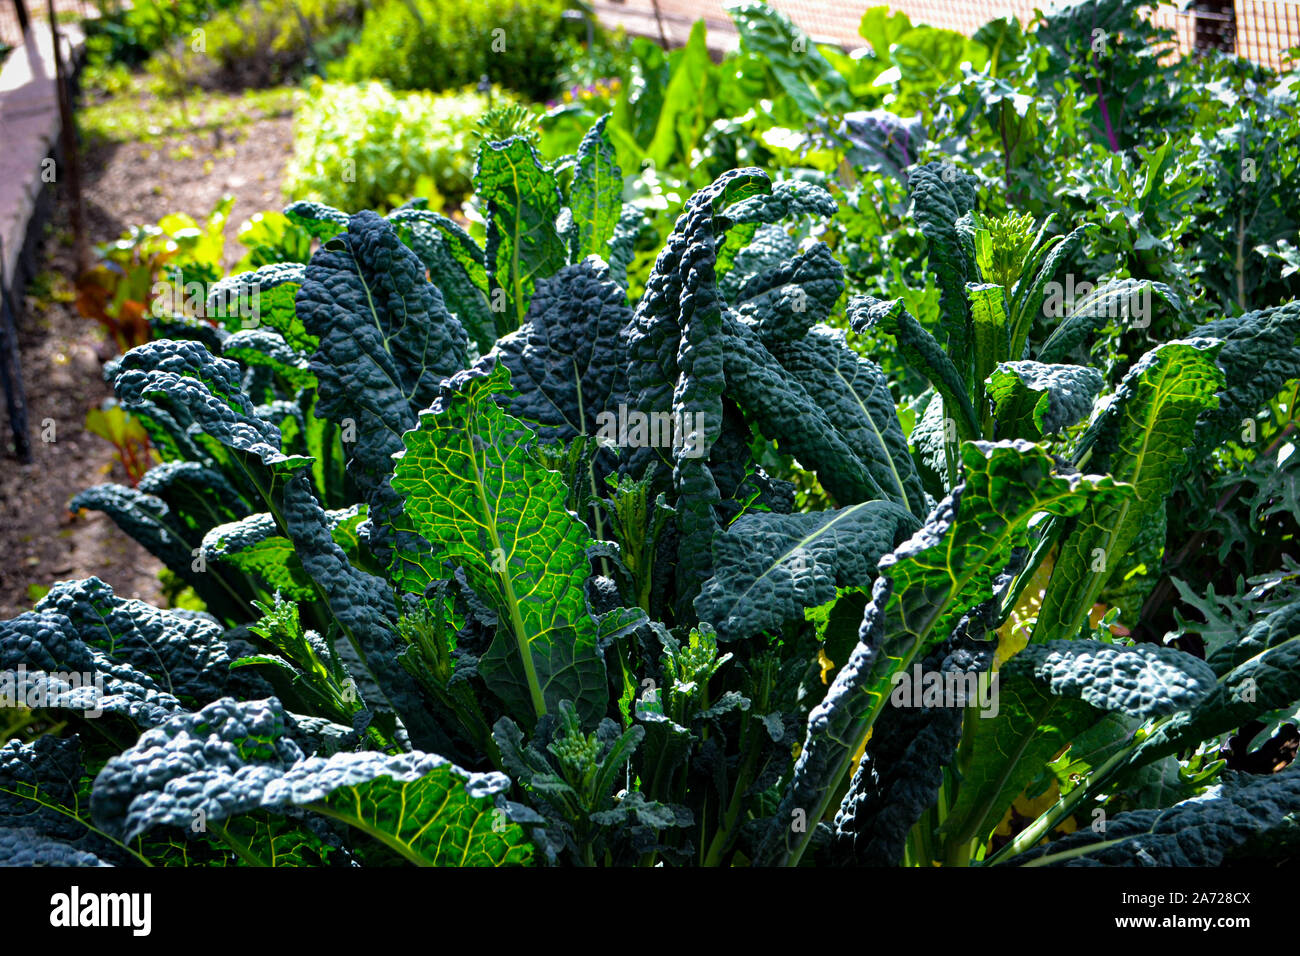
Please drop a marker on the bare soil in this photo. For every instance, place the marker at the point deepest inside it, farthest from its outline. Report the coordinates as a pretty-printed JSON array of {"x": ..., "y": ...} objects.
[{"x": 63, "y": 353}]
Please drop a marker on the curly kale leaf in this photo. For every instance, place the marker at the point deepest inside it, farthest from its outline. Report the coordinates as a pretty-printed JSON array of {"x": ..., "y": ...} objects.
[
  {"x": 1031, "y": 400},
  {"x": 567, "y": 362},
  {"x": 770, "y": 567},
  {"x": 234, "y": 758},
  {"x": 925, "y": 587}
]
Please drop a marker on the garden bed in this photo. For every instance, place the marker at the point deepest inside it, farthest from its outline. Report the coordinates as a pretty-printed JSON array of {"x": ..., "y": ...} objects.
[{"x": 126, "y": 181}]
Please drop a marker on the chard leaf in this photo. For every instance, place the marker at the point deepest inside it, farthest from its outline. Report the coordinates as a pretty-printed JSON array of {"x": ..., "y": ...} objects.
[
  {"x": 770, "y": 567},
  {"x": 475, "y": 489},
  {"x": 1140, "y": 436},
  {"x": 522, "y": 202},
  {"x": 1031, "y": 400},
  {"x": 596, "y": 196},
  {"x": 925, "y": 587},
  {"x": 235, "y": 757}
]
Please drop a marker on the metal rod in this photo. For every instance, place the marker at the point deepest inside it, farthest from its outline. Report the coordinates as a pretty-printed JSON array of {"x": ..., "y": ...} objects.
[{"x": 11, "y": 369}]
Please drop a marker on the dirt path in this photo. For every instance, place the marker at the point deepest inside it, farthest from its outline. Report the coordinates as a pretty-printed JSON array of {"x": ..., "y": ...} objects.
[{"x": 62, "y": 353}]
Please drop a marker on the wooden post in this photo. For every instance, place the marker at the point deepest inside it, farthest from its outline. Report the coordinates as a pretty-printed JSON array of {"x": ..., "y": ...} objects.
[
  {"x": 68, "y": 141},
  {"x": 11, "y": 370},
  {"x": 20, "y": 7}
]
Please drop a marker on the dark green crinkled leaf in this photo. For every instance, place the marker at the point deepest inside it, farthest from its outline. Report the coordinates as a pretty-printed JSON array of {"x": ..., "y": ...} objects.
[
  {"x": 1259, "y": 355},
  {"x": 322, "y": 221},
  {"x": 456, "y": 266},
  {"x": 269, "y": 295},
  {"x": 1259, "y": 674},
  {"x": 940, "y": 195},
  {"x": 1048, "y": 694},
  {"x": 901, "y": 771},
  {"x": 1031, "y": 400},
  {"x": 920, "y": 350},
  {"x": 266, "y": 349},
  {"x": 386, "y": 339},
  {"x": 768, "y": 249},
  {"x": 187, "y": 380},
  {"x": 46, "y": 645},
  {"x": 186, "y": 656},
  {"x": 783, "y": 410},
  {"x": 1202, "y": 831},
  {"x": 856, "y": 395},
  {"x": 677, "y": 350},
  {"x": 234, "y": 758},
  {"x": 783, "y": 303},
  {"x": 26, "y": 848},
  {"x": 567, "y": 362},
  {"x": 770, "y": 567},
  {"x": 925, "y": 587}
]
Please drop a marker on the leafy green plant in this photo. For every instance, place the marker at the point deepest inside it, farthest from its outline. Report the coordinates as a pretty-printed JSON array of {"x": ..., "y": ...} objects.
[
  {"x": 453, "y": 572},
  {"x": 441, "y": 45},
  {"x": 258, "y": 44},
  {"x": 363, "y": 146}
]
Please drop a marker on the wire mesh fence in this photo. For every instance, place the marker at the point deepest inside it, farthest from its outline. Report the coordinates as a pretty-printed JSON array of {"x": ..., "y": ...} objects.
[{"x": 1260, "y": 30}]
